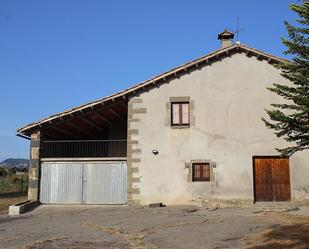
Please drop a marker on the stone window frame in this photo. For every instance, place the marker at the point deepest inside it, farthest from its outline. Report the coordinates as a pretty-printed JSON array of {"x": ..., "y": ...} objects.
[
  {"x": 189, "y": 165},
  {"x": 179, "y": 106},
  {"x": 179, "y": 99},
  {"x": 201, "y": 168}
]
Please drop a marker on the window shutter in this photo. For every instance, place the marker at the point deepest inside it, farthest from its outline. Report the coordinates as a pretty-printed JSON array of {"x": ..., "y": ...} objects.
[
  {"x": 175, "y": 113},
  {"x": 185, "y": 113}
]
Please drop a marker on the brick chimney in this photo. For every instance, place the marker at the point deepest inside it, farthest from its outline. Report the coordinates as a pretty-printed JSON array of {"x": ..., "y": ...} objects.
[{"x": 226, "y": 38}]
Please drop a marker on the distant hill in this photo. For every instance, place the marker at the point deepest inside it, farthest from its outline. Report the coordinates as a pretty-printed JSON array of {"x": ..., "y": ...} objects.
[{"x": 15, "y": 162}]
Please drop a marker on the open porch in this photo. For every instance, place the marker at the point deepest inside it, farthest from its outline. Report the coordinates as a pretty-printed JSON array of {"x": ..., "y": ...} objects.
[{"x": 80, "y": 156}]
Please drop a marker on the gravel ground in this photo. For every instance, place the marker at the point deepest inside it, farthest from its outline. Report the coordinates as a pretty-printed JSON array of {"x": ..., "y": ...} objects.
[{"x": 92, "y": 227}]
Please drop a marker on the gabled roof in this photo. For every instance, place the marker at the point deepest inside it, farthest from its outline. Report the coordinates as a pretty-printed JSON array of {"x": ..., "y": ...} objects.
[{"x": 160, "y": 79}]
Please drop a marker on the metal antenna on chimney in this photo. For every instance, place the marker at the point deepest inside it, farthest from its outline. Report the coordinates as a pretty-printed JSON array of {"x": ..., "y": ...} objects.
[{"x": 238, "y": 30}]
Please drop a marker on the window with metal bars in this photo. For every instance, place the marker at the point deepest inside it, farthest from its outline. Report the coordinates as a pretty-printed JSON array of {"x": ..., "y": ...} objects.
[
  {"x": 200, "y": 172},
  {"x": 180, "y": 115}
]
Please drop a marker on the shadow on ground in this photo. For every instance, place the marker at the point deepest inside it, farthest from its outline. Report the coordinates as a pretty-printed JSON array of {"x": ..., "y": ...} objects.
[
  {"x": 13, "y": 194},
  {"x": 294, "y": 236}
]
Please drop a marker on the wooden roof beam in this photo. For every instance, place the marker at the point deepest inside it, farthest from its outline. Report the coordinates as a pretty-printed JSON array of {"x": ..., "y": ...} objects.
[
  {"x": 124, "y": 105},
  {"x": 82, "y": 130},
  {"x": 57, "y": 129},
  {"x": 259, "y": 57},
  {"x": 91, "y": 124},
  {"x": 116, "y": 113},
  {"x": 64, "y": 132},
  {"x": 72, "y": 116},
  {"x": 50, "y": 136},
  {"x": 99, "y": 115}
]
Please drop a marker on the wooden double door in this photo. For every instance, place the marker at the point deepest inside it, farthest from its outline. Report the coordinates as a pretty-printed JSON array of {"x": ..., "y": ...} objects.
[{"x": 271, "y": 178}]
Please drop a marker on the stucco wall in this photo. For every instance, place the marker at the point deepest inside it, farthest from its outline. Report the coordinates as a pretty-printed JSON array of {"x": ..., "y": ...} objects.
[{"x": 229, "y": 98}]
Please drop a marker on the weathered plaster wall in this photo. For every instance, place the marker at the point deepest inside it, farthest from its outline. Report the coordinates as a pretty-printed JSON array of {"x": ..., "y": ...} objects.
[{"x": 229, "y": 98}]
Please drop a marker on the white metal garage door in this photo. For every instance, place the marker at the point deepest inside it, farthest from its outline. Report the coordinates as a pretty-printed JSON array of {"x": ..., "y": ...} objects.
[{"x": 84, "y": 182}]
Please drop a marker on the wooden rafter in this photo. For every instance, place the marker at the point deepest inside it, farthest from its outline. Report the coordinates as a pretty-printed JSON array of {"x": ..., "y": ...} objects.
[
  {"x": 58, "y": 129},
  {"x": 82, "y": 130},
  {"x": 64, "y": 132},
  {"x": 116, "y": 113},
  {"x": 72, "y": 117},
  {"x": 124, "y": 105},
  {"x": 91, "y": 124},
  {"x": 102, "y": 118},
  {"x": 50, "y": 136}
]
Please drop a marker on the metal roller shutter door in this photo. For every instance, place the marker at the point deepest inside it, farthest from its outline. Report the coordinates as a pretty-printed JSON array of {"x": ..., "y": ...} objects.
[{"x": 83, "y": 182}]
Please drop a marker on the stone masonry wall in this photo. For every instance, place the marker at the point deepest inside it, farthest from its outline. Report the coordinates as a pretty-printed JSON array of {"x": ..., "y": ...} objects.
[
  {"x": 34, "y": 169},
  {"x": 135, "y": 113}
]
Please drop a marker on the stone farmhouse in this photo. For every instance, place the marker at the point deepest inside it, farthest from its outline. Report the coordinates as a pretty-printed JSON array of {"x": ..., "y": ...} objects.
[{"x": 192, "y": 135}]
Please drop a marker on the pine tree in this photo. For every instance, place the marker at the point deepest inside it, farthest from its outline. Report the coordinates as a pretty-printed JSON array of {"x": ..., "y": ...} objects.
[{"x": 291, "y": 120}]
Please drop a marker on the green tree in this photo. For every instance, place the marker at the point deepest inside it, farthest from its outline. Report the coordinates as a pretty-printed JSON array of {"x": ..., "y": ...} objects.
[{"x": 291, "y": 119}]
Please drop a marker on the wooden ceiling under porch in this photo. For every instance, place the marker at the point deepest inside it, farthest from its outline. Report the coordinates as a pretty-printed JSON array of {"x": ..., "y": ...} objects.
[{"x": 93, "y": 123}]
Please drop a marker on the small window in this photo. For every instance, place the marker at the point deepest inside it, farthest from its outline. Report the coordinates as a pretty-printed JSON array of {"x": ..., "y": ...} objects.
[
  {"x": 180, "y": 114},
  {"x": 200, "y": 172}
]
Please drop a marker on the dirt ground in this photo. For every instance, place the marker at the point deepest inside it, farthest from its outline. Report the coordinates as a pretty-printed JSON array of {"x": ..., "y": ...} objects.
[
  {"x": 92, "y": 227},
  {"x": 293, "y": 232},
  {"x": 7, "y": 199}
]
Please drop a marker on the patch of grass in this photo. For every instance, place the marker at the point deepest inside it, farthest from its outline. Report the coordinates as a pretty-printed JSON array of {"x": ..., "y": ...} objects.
[
  {"x": 13, "y": 189},
  {"x": 13, "y": 183},
  {"x": 5, "y": 202}
]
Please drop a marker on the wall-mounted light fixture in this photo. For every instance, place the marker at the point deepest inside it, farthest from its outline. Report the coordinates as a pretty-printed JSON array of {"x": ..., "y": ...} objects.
[
  {"x": 214, "y": 165},
  {"x": 155, "y": 152}
]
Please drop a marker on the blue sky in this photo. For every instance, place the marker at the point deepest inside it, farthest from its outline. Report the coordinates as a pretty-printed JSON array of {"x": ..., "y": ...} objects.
[{"x": 59, "y": 54}]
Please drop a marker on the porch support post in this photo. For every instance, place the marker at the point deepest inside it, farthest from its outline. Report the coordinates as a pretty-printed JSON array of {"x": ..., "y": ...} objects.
[{"x": 34, "y": 169}]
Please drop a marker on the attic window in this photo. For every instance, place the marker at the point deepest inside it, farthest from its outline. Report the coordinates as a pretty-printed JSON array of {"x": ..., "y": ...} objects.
[{"x": 180, "y": 115}]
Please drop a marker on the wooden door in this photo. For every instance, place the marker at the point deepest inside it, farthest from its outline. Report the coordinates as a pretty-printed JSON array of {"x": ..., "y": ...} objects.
[
  {"x": 281, "y": 179},
  {"x": 271, "y": 178}
]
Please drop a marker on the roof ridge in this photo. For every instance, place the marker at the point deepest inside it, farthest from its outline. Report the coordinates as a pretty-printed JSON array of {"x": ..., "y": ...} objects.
[{"x": 175, "y": 70}]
